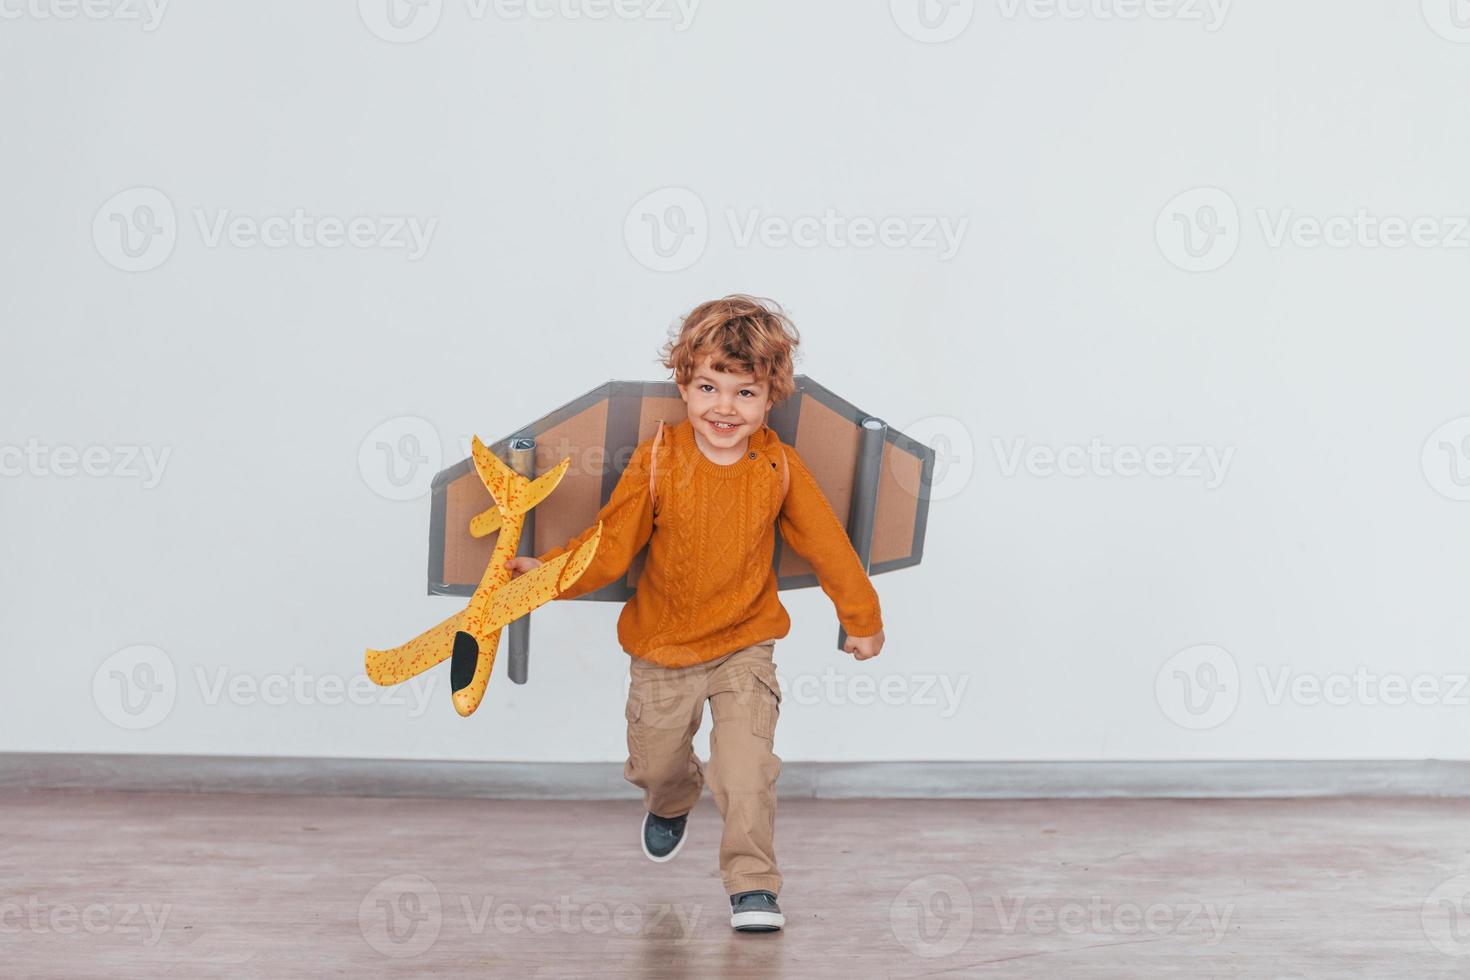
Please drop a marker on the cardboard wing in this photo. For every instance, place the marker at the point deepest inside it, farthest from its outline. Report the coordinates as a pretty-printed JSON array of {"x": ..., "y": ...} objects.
[{"x": 875, "y": 475}]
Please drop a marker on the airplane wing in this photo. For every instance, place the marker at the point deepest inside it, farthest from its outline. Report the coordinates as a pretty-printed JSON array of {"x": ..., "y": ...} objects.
[{"x": 429, "y": 649}]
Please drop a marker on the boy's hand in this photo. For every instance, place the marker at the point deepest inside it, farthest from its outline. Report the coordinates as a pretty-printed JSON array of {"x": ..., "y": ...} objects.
[
  {"x": 521, "y": 564},
  {"x": 864, "y": 647}
]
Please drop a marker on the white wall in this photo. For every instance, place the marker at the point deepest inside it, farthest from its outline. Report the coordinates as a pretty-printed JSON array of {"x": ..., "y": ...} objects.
[{"x": 1331, "y": 544}]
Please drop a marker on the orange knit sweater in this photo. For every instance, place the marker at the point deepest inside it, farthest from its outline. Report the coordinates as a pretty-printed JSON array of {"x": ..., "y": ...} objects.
[{"x": 708, "y": 587}]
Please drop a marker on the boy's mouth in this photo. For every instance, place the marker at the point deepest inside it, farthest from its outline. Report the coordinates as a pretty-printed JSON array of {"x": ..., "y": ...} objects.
[{"x": 723, "y": 427}]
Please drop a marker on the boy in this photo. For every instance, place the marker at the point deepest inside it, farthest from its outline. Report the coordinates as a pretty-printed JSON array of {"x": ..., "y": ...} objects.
[{"x": 706, "y": 495}]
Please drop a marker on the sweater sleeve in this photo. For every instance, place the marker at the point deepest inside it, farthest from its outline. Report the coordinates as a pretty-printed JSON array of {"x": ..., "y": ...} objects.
[
  {"x": 809, "y": 525},
  {"x": 627, "y": 524}
]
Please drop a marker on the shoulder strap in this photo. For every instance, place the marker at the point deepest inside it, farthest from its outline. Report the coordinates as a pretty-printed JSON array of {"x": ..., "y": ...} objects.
[{"x": 658, "y": 437}]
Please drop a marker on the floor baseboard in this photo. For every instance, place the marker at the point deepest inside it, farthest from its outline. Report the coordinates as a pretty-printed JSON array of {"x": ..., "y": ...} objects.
[{"x": 811, "y": 780}]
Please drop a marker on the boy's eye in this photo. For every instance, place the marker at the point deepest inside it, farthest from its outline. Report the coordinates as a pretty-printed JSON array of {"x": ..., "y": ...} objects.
[{"x": 743, "y": 391}]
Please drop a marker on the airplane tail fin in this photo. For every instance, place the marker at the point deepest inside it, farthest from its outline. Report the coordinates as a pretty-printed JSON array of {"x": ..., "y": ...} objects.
[{"x": 514, "y": 494}]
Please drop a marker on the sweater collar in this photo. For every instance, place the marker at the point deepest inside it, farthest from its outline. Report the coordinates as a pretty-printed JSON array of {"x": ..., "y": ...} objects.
[{"x": 758, "y": 444}]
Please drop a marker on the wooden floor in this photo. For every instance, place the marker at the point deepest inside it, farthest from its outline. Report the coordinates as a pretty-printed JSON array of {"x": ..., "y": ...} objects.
[{"x": 169, "y": 885}]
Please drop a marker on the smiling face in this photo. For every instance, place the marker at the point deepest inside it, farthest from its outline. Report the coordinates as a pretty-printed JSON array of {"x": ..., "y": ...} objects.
[{"x": 716, "y": 397}]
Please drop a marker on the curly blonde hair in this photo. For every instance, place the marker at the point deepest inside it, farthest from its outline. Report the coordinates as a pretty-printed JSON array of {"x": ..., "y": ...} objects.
[{"x": 742, "y": 334}]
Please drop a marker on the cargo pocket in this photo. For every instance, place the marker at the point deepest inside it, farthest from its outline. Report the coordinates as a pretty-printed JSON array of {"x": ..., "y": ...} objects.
[
  {"x": 765, "y": 695},
  {"x": 631, "y": 712}
]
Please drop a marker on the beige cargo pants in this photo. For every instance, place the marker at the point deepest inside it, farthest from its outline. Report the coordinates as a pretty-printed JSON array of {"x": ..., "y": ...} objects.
[{"x": 664, "y": 710}]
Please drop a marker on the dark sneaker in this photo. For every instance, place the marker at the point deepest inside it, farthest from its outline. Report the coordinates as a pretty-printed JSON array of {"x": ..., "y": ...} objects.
[
  {"x": 755, "y": 912},
  {"x": 663, "y": 836}
]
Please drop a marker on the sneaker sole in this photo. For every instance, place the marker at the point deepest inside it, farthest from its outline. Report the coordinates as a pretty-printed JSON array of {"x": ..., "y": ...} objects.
[
  {"x": 757, "y": 921},
  {"x": 643, "y": 842}
]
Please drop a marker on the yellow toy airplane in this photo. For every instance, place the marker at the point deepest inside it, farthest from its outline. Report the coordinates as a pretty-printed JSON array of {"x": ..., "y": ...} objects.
[{"x": 472, "y": 635}]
